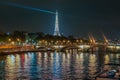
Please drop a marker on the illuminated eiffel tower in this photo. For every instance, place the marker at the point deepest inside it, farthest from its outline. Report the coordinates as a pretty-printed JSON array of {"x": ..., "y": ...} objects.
[{"x": 56, "y": 30}]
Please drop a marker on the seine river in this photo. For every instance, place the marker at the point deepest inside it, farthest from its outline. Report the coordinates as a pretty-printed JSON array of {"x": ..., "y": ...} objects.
[{"x": 54, "y": 65}]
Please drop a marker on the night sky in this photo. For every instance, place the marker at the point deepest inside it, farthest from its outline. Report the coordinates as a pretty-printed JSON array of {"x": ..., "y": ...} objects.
[{"x": 76, "y": 17}]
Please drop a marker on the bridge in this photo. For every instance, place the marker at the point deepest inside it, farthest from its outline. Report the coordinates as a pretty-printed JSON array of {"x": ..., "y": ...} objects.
[
  {"x": 93, "y": 45},
  {"x": 83, "y": 47}
]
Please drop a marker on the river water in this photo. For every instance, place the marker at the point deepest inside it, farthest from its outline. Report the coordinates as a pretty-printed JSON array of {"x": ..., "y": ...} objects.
[{"x": 53, "y": 65}]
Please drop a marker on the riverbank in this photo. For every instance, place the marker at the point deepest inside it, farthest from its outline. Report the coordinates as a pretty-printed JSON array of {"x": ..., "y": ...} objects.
[
  {"x": 23, "y": 51},
  {"x": 30, "y": 49}
]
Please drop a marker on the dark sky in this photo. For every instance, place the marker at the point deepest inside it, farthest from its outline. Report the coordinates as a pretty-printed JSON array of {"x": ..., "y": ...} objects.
[{"x": 76, "y": 17}]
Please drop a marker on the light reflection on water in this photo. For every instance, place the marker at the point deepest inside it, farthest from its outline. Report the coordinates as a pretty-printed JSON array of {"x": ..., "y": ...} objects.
[{"x": 53, "y": 65}]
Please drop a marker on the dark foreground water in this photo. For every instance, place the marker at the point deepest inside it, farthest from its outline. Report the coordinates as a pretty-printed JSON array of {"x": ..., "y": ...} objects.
[{"x": 53, "y": 65}]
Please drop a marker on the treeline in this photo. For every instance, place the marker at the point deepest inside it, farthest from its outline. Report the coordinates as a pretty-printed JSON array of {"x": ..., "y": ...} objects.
[{"x": 23, "y": 36}]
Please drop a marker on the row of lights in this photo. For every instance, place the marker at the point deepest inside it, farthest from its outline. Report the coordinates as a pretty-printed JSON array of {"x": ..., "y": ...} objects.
[
  {"x": 13, "y": 42},
  {"x": 58, "y": 42}
]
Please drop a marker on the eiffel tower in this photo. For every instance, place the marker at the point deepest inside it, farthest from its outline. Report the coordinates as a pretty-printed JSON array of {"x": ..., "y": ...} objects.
[{"x": 56, "y": 30}]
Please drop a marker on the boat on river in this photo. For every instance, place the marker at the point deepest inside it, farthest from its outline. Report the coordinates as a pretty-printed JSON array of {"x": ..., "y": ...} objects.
[{"x": 113, "y": 73}]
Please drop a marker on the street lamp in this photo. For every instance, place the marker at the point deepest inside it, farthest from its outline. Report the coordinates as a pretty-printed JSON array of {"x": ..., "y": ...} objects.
[
  {"x": 9, "y": 39},
  {"x": 12, "y": 42},
  {"x": 18, "y": 39}
]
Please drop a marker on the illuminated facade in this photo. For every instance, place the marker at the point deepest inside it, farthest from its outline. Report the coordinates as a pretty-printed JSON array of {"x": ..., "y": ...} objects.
[{"x": 56, "y": 30}]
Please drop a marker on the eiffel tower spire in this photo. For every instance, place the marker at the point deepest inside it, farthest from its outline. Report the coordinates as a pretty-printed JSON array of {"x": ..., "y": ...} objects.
[{"x": 56, "y": 30}]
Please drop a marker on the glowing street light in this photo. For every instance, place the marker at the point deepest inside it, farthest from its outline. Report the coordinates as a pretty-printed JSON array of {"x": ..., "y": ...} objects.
[
  {"x": 77, "y": 41},
  {"x": 81, "y": 41},
  {"x": 12, "y": 42},
  {"x": 9, "y": 39},
  {"x": 18, "y": 39},
  {"x": 64, "y": 41}
]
